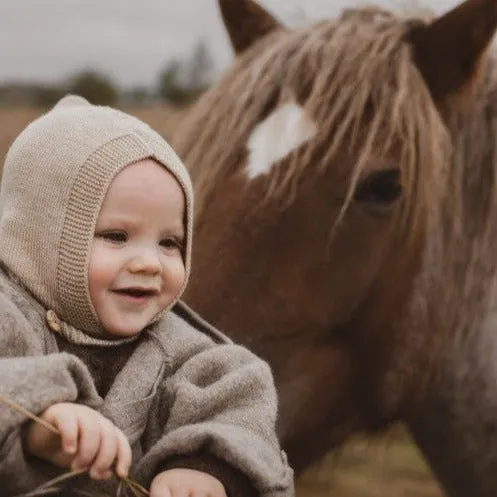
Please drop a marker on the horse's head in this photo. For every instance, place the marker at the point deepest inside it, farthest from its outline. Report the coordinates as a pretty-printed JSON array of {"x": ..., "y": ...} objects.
[{"x": 318, "y": 160}]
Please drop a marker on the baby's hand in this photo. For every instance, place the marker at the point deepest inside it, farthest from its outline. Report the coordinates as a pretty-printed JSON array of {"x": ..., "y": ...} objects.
[
  {"x": 181, "y": 482},
  {"x": 87, "y": 440}
]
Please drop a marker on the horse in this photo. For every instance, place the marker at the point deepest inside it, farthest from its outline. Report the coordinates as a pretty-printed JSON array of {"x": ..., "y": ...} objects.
[{"x": 346, "y": 225}]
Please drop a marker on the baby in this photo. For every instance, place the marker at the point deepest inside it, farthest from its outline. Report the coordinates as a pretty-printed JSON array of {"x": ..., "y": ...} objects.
[{"x": 95, "y": 248}]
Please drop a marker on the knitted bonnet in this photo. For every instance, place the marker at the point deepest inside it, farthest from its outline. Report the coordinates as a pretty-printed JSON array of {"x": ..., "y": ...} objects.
[{"x": 55, "y": 177}]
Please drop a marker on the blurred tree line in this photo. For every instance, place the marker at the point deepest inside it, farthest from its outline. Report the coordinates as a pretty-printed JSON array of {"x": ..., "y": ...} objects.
[{"x": 179, "y": 83}]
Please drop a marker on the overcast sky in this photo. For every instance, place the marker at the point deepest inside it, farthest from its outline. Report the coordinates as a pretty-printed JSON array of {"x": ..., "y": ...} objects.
[{"x": 130, "y": 40}]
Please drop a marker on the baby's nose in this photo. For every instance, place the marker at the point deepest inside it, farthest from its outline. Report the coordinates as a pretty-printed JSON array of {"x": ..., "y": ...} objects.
[{"x": 146, "y": 260}]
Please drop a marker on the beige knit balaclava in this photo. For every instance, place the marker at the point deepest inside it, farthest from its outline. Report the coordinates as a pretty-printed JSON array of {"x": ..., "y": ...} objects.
[{"x": 55, "y": 177}]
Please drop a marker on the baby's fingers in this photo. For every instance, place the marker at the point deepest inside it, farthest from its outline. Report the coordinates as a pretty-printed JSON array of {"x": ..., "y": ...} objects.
[
  {"x": 89, "y": 440},
  {"x": 124, "y": 454},
  {"x": 107, "y": 452},
  {"x": 183, "y": 492},
  {"x": 65, "y": 420},
  {"x": 160, "y": 489}
]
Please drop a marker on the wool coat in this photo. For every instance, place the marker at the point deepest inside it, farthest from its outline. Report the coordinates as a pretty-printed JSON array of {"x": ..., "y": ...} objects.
[{"x": 186, "y": 396}]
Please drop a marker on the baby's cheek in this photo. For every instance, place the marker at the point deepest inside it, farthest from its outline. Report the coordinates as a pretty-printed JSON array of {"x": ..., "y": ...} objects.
[
  {"x": 101, "y": 273},
  {"x": 180, "y": 277}
]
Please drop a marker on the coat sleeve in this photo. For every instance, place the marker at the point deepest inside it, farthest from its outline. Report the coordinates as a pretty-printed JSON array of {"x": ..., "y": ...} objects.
[
  {"x": 222, "y": 409},
  {"x": 35, "y": 382}
]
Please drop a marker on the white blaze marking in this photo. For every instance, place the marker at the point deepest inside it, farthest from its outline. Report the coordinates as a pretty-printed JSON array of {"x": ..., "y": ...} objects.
[{"x": 280, "y": 133}]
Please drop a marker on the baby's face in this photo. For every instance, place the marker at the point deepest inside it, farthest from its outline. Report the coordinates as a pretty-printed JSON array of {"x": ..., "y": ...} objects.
[{"x": 136, "y": 264}]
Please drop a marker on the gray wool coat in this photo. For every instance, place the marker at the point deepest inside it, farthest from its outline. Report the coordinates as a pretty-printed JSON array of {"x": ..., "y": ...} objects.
[{"x": 184, "y": 395}]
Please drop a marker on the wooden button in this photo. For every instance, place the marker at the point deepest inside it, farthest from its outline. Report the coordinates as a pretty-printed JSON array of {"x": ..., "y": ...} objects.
[{"x": 53, "y": 321}]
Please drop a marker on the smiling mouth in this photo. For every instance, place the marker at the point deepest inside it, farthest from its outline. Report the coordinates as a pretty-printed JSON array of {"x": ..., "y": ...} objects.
[{"x": 136, "y": 292}]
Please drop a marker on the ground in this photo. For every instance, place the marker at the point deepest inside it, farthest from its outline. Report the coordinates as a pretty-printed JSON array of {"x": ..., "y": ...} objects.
[{"x": 390, "y": 466}]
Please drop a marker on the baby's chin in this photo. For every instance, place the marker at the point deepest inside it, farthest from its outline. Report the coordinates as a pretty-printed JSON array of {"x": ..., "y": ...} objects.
[
  {"x": 118, "y": 331},
  {"x": 128, "y": 328}
]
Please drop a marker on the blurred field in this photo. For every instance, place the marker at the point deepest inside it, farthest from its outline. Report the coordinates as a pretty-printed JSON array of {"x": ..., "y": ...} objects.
[
  {"x": 387, "y": 467},
  {"x": 390, "y": 466}
]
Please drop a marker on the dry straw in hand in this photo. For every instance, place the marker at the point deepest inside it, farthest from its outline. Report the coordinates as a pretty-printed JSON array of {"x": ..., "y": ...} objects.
[{"x": 126, "y": 486}]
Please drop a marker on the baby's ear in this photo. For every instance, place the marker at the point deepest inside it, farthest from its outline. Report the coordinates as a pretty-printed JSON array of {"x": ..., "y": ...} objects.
[{"x": 71, "y": 101}]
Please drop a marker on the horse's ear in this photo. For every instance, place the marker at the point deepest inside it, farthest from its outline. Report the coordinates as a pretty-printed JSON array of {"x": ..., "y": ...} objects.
[
  {"x": 449, "y": 51},
  {"x": 246, "y": 22}
]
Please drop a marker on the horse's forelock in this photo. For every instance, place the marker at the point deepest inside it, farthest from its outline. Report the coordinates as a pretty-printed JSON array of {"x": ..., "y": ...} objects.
[{"x": 354, "y": 76}]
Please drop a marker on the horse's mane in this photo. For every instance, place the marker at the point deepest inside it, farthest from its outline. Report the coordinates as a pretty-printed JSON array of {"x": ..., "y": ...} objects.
[{"x": 355, "y": 77}]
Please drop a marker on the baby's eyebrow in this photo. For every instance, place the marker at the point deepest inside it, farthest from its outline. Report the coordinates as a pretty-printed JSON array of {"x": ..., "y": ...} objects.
[
  {"x": 178, "y": 233},
  {"x": 119, "y": 221}
]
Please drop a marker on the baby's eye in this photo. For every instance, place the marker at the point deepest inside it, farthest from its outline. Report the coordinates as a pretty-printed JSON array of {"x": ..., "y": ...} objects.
[
  {"x": 113, "y": 236},
  {"x": 172, "y": 243}
]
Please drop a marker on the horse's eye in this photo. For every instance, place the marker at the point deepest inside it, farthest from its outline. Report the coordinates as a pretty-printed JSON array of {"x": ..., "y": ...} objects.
[{"x": 380, "y": 188}]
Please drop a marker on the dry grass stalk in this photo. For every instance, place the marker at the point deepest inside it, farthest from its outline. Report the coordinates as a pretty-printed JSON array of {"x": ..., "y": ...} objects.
[{"x": 50, "y": 487}]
